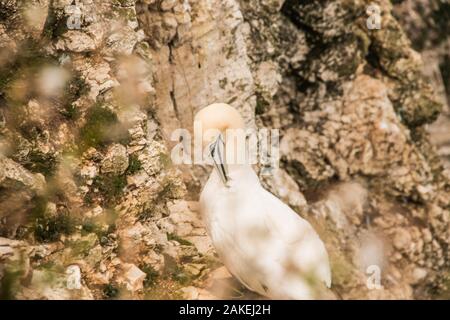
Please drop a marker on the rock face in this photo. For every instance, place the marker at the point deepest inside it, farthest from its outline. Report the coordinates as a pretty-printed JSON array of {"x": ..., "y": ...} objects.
[
  {"x": 91, "y": 206},
  {"x": 115, "y": 160},
  {"x": 428, "y": 28}
]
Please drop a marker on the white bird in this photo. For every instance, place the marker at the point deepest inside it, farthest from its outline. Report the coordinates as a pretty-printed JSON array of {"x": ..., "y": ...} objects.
[{"x": 269, "y": 248}]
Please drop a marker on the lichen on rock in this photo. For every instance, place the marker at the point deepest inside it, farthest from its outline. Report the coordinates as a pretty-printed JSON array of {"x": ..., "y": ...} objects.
[{"x": 91, "y": 206}]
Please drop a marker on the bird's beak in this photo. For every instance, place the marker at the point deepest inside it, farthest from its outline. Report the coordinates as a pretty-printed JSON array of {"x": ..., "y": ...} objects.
[{"x": 217, "y": 151}]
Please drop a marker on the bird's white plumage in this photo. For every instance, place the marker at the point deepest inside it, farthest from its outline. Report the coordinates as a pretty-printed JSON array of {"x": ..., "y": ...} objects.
[{"x": 262, "y": 241}]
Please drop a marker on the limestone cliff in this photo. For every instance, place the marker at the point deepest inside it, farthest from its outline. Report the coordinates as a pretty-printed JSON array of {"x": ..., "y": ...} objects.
[{"x": 91, "y": 206}]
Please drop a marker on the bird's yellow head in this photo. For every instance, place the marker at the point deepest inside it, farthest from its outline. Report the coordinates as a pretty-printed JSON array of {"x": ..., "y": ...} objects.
[
  {"x": 217, "y": 118},
  {"x": 215, "y": 121}
]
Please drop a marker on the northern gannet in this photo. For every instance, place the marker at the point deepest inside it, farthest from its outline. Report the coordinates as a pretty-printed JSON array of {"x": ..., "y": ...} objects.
[{"x": 268, "y": 247}]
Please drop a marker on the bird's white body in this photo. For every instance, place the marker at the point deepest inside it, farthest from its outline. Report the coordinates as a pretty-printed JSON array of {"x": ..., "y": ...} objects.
[{"x": 262, "y": 241}]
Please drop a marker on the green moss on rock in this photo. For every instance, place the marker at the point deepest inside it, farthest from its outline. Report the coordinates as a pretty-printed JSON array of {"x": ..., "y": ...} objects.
[
  {"x": 134, "y": 164},
  {"x": 151, "y": 275},
  {"x": 111, "y": 291},
  {"x": 261, "y": 105},
  {"x": 75, "y": 88},
  {"x": 164, "y": 159},
  {"x": 24, "y": 65},
  {"x": 416, "y": 105},
  {"x": 110, "y": 187},
  {"x": 101, "y": 128},
  {"x": 44, "y": 163},
  {"x": 173, "y": 236},
  {"x": 9, "y": 282},
  {"x": 99, "y": 228},
  {"x": 56, "y": 23},
  {"x": 48, "y": 229},
  {"x": 81, "y": 247}
]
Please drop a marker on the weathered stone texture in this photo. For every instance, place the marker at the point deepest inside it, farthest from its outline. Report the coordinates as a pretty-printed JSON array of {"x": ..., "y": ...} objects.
[{"x": 89, "y": 98}]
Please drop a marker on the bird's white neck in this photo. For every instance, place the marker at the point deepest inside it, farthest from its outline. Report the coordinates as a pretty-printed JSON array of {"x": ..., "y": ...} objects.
[{"x": 239, "y": 175}]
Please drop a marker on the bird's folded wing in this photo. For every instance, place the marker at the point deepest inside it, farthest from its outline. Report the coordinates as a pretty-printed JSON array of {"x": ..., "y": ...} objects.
[{"x": 300, "y": 242}]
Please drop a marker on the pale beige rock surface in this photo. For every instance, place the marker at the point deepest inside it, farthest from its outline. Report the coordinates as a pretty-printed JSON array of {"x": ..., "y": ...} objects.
[{"x": 91, "y": 206}]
